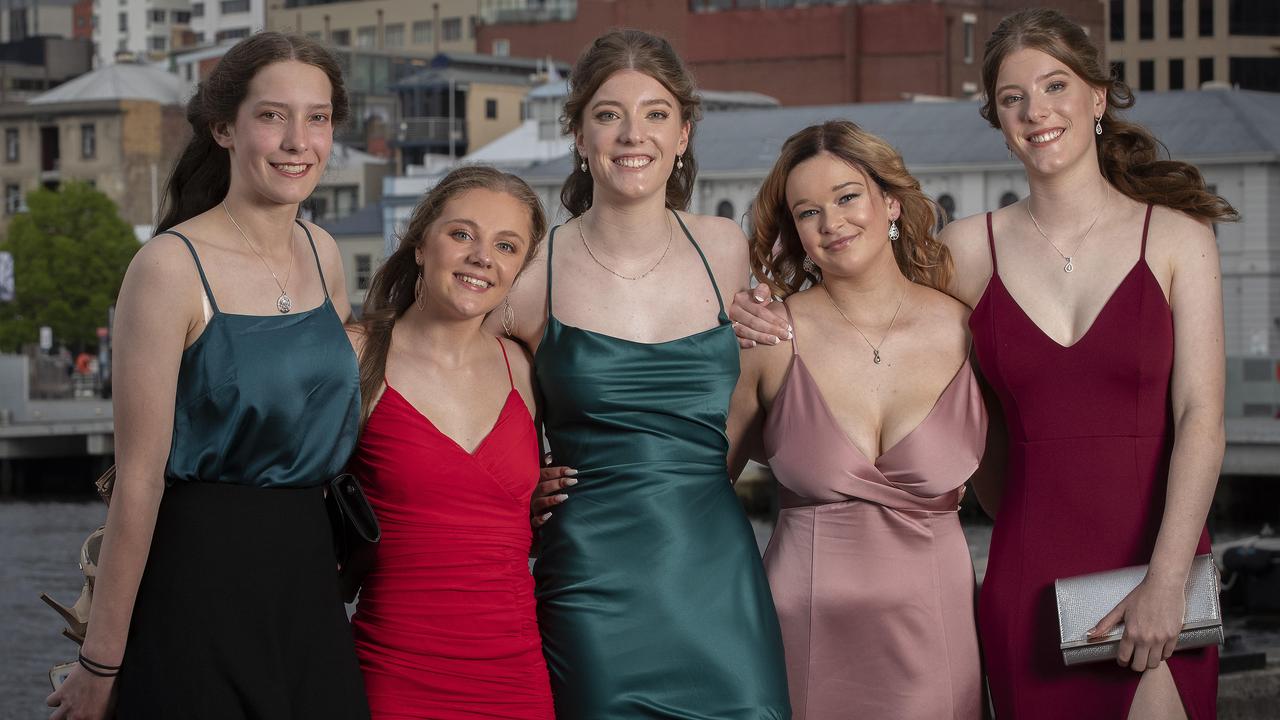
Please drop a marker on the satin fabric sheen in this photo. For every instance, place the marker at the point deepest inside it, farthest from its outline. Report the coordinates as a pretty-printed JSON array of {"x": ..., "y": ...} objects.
[
  {"x": 651, "y": 595},
  {"x": 265, "y": 400},
  {"x": 445, "y": 627},
  {"x": 1090, "y": 434},
  {"x": 869, "y": 567}
]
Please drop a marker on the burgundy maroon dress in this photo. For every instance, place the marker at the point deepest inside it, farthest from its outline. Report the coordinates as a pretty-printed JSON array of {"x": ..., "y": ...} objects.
[
  {"x": 445, "y": 627},
  {"x": 1090, "y": 433}
]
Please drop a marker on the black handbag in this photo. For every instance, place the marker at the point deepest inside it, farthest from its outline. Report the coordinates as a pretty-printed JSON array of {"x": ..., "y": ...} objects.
[{"x": 355, "y": 532}]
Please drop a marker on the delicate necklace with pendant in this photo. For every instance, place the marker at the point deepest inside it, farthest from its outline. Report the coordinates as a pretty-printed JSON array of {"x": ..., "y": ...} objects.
[
  {"x": 670, "y": 235},
  {"x": 283, "y": 303},
  {"x": 1068, "y": 258},
  {"x": 875, "y": 349}
]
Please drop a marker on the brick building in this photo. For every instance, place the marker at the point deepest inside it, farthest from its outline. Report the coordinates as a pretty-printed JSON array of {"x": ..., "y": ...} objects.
[{"x": 809, "y": 53}]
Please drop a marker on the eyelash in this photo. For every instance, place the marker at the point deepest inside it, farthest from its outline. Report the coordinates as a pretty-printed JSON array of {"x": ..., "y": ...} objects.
[
  {"x": 849, "y": 197},
  {"x": 1055, "y": 86},
  {"x": 661, "y": 115},
  {"x": 318, "y": 116}
]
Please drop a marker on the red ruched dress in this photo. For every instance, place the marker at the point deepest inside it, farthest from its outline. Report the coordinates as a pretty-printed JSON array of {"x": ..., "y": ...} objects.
[{"x": 445, "y": 627}]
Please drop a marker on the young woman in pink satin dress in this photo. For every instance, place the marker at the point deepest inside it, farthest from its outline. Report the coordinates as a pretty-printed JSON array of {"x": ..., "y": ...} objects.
[{"x": 871, "y": 419}]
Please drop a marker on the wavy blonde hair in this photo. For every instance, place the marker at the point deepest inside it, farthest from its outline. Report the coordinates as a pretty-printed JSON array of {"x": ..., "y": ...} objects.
[{"x": 776, "y": 251}]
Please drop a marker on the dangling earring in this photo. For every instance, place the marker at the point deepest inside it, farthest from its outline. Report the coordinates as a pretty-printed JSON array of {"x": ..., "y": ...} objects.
[
  {"x": 1097, "y": 125},
  {"x": 809, "y": 265},
  {"x": 508, "y": 317},
  {"x": 418, "y": 298},
  {"x": 680, "y": 161},
  {"x": 1006, "y": 147},
  {"x": 583, "y": 166},
  {"x": 894, "y": 234}
]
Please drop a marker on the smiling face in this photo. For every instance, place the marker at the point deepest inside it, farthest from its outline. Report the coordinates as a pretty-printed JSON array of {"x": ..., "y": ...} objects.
[
  {"x": 471, "y": 255},
  {"x": 631, "y": 133},
  {"x": 282, "y": 134},
  {"x": 841, "y": 216},
  {"x": 1046, "y": 111}
]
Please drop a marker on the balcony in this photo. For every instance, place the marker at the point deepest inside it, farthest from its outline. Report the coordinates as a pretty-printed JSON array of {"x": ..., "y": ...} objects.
[
  {"x": 432, "y": 131},
  {"x": 493, "y": 12}
]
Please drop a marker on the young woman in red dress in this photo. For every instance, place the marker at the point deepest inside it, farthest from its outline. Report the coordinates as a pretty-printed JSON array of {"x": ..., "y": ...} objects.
[{"x": 445, "y": 626}]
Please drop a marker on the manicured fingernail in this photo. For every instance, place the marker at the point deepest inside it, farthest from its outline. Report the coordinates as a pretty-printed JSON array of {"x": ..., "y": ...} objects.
[
  {"x": 571, "y": 472},
  {"x": 570, "y": 482},
  {"x": 787, "y": 335},
  {"x": 545, "y": 517},
  {"x": 757, "y": 298},
  {"x": 561, "y": 497},
  {"x": 773, "y": 340},
  {"x": 751, "y": 343}
]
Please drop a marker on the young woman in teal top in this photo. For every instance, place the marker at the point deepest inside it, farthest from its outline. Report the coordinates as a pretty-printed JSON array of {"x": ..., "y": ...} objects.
[
  {"x": 236, "y": 399},
  {"x": 652, "y": 600}
]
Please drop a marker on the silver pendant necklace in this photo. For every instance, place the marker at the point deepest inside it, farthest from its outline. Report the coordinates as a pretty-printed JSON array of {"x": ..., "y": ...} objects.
[
  {"x": 1070, "y": 265},
  {"x": 284, "y": 303},
  {"x": 875, "y": 349}
]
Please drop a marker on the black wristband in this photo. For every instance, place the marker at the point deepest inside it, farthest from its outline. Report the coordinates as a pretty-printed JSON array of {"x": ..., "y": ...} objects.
[{"x": 97, "y": 668}]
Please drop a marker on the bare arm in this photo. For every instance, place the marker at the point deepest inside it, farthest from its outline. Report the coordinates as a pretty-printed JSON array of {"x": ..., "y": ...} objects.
[
  {"x": 988, "y": 480},
  {"x": 149, "y": 339},
  {"x": 334, "y": 274},
  {"x": 746, "y": 416}
]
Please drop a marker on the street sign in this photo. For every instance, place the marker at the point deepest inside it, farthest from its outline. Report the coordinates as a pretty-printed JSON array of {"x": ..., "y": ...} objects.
[
  {"x": 6, "y": 277},
  {"x": 46, "y": 338}
]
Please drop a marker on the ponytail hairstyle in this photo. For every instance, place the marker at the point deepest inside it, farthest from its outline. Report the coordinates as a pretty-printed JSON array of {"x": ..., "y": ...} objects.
[
  {"x": 629, "y": 50},
  {"x": 202, "y": 175},
  {"x": 776, "y": 251},
  {"x": 1128, "y": 154},
  {"x": 391, "y": 291}
]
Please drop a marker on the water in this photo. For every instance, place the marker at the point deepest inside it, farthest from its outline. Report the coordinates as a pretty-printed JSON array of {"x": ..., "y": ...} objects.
[{"x": 39, "y": 552}]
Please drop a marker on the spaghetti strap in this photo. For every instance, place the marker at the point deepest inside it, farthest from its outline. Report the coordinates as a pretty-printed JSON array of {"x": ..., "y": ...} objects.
[
  {"x": 1146, "y": 223},
  {"x": 792, "y": 323},
  {"x": 208, "y": 291},
  {"x": 724, "y": 318},
  {"x": 317, "y": 257},
  {"x": 991, "y": 241},
  {"x": 506, "y": 360},
  {"x": 551, "y": 247}
]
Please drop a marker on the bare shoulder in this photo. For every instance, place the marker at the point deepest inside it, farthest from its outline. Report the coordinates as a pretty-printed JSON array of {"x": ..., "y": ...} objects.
[
  {"x": 1179, "y": 235},
  {"x": 164, "y": 265},
  {"x": 940, "y": 318},
  {"x": 966, "y": 239},
  {"x": 725, "y": 246},
  {"x": 521, "y": 364},
  {"x": 326, "y": 246}
]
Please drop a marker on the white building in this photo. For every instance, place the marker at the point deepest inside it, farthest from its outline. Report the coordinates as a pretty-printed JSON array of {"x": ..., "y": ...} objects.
[
  {"x": 142, "y": 28},
  {"x": 214, "y": 21}
]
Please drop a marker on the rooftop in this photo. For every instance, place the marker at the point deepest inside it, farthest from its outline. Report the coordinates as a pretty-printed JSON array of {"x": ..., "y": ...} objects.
[
  {"x": 365, "y": 221},
  {"x": 121, "y": 81}
]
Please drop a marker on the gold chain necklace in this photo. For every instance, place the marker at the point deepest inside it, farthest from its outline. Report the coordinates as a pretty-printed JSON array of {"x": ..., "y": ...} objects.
[
  {"x": 1070, "y": 265},
  {"x": 875, "y": 349},
  {"x": 585, "y": 244},
  {"x": 283, "y": 303}
]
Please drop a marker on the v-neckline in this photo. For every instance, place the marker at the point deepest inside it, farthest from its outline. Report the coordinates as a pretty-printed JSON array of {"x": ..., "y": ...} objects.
[
  {"x": 797, "y": 361},
  {"x": 502, "y": 411},
  {"x": 995, "y": 277}
]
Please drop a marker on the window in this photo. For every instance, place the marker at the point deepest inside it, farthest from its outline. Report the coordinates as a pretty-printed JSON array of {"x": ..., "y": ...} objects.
[
  {"x": 1257, "y": 369},
  {"x": 1117, "y": 70},
  {"x": 393, "y": 35},
  {"x": 948, "y": 205},
  {"x": 12, "y": 199},
  {"x": 501, "y": 48},
  {"x": 315, "y": 35},
  {"x": 157, "y": 43},
  {"x": 473, "y": 23},
  {"x": 490, "y": 109},
  {"x": 1146, "y": 19},
  {"x": 451, "y": 29},
  {"x": 124, "y": 22},
  {"x": 1206, "y": 18},
  {"x": 421, "y": 32},
  {"x": 1206, "y": 70},
  {"x": 725, "y": 209},
  {"x": 181, "y": 18},
  {"x": 1250, "y": 17},
  {"x": 1255, "y": 73},
  {"x": 157, "y": 16},
  {"x": 366, "y": 37},
  {"x": 11, "y": 153},
  {"x": 89, "y": 140},
  {"x": 234, "y": 6},
  {"x": 1175, "y": 18},
  {"x": 1146, "y": 74},
  {"x": 232, "y": 34},
  {"x": 1177, "y": 80},
  {"x": 364, "y": 270},
  {"x": 1008, "y": 199},
  {"x": 341, "y": 38},
  {"x": 969, "y": 21},
  {"x": 1117, "y": 19},
  {"x": 197, "y": 9}
]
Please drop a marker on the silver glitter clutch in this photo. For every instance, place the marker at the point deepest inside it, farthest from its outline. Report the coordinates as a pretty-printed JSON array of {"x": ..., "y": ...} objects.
[{"x": 1085, "y": 599}]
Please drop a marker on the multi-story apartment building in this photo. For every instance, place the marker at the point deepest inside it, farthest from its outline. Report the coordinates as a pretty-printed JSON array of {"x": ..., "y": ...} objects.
[
  {"x": 801, "y": 52},
  {"x": 33, "y": 65},
  {"x": 21, "y": 19},
  {"x": 1183, "y": 44},
  {"x": 140, "y": 28},
  {"x": 410, "y": 26},
  {"x": 217, "y": 21}
]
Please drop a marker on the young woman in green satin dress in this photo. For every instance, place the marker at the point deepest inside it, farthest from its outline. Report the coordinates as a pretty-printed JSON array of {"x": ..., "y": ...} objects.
[{"x": 652, "y": 599}]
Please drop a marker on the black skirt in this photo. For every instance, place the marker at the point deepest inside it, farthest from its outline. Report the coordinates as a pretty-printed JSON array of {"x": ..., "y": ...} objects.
[{"x": 237, "y": 615}]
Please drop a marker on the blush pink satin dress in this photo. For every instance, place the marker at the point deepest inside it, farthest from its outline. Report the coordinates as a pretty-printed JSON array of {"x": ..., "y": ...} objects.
[{"x": 869, "y": 568}]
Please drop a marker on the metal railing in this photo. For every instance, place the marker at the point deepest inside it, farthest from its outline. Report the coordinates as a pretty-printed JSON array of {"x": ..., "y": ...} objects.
[
  {"x": 432, "y": 129},
  {"x": 494, "y": 12}
]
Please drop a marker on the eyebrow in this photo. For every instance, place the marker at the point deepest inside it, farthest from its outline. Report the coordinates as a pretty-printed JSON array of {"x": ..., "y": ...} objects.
[
  {"x": 834, "y": 188},
  {"x": 1042, "y": 78},
  {"x": 646, "y": 103},
  {"x": 285, "y": 106},
  {"x": 475, "y": 226}
]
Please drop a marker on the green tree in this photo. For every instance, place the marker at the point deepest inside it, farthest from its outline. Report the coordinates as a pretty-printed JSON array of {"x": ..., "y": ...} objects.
[{"x": 70, "y": 252}]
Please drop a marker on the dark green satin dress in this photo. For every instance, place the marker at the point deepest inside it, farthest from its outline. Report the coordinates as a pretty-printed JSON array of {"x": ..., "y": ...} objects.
[{"x": 652, "y": 599}]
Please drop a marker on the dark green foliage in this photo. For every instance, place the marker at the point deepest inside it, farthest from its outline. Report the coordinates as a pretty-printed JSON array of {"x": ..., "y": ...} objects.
[{"x": 70, "y": 252}]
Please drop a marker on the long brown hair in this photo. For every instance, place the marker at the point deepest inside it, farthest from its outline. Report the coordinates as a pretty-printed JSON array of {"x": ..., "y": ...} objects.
[
  {"x": 776, "y": 251},
  {"x": 202, "y": 175},
  {"x": 1128, "y": 154},
  {"x": 652, "y": 55},
  {"x": 391, "y": 291}
]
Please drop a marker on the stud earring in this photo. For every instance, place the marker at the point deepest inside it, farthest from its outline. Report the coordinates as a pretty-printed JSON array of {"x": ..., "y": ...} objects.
[
  {"x": 809, "y": 265},
  {"x": 1097, "y": 125},
  {"x": 680, "y": 161},
  {"x": 894, "y": 234}
]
